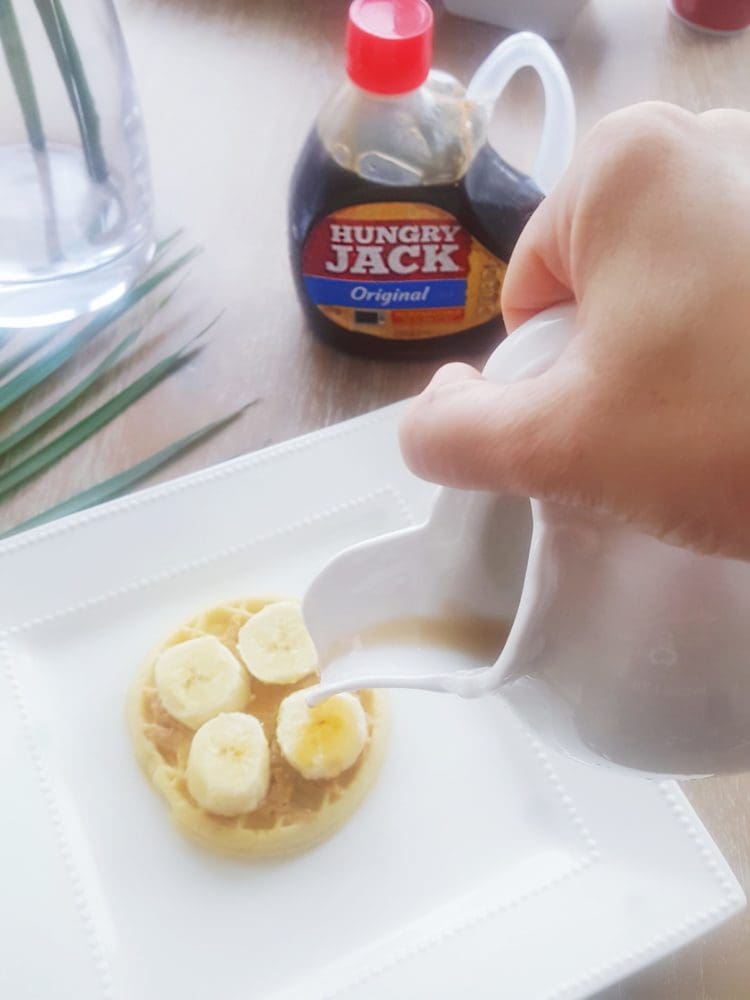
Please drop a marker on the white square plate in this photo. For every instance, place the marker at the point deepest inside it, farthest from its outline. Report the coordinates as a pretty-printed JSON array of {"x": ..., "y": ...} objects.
[{"x": 480, "y": 865}]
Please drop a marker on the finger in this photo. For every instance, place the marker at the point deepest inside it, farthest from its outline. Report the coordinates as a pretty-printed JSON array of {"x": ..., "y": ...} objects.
[
  {"x": 543, "y": 270},
  {"x": 538, "y": 272},
  {"x": 456, "y": 371},
  {"x": 472, "y": 434}
]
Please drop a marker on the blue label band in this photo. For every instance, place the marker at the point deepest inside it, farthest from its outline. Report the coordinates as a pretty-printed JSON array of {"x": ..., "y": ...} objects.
[{"x": 387, "y": 294}]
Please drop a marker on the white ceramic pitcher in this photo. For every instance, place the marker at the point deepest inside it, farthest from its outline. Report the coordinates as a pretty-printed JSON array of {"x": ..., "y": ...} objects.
[{"x": 622, "y": 649}]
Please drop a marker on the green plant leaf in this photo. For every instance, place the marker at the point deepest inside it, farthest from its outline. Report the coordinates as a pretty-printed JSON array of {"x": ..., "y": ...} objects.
[
  {"x": 23, "y": 353},
  {"x": 18, "y": 66},
  {"x": 23, "y": 84},
  {"x": 163, "y": 245},
  {"x": 30, "y": 345},
  {"x": 86, "y": 428},
  {"x": 16, "y": 387},
  {"x": 69, "y": 63},
  {"x": 30, "y": 428},
  {"x": 121, "y": 483},
  {"x": 89, "y": 122}
]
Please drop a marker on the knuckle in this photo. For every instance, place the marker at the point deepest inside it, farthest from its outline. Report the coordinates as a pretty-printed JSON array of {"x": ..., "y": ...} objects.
[
  {"x": 455, "y": 372},
  {"x": 730, "y": 117},
  {"x": 639, "y": 125},
  {"x": 637, "y": 146},
  {"x": 634, "y": 164}
]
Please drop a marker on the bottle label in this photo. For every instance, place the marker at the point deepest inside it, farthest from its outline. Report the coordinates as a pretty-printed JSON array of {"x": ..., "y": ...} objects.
[{"x": 400, "y": 271}]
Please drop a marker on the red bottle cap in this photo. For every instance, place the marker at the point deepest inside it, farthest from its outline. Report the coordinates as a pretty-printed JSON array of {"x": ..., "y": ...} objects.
[
  {"x": 714, "y": 15},
  {"x": 389, "y": 45}
]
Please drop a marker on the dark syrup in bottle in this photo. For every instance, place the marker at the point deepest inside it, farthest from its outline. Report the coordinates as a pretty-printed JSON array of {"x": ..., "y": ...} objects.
[{"x": 492, "y": 201}]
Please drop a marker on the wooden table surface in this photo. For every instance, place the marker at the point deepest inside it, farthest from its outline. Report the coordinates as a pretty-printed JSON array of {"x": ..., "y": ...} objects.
[{"x": 229, "y": 88}]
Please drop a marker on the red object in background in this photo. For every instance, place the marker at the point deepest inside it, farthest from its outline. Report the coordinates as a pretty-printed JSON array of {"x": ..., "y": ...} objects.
[
  {"x": 389, "y": 45},
  {"x": 716, "y": 15}
]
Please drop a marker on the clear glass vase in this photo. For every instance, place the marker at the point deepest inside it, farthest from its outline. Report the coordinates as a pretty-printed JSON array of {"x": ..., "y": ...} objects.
[{"x": 75, "y": 193}]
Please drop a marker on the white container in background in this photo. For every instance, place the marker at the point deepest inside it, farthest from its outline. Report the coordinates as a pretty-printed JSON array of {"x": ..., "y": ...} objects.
[{"x": 551, "y": 18}]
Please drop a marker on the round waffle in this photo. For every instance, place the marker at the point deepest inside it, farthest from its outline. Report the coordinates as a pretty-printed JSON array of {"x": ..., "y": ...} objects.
[{"x": 297, "y": 813}]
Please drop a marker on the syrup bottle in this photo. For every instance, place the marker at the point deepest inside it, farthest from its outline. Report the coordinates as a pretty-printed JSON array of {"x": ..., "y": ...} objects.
[{"x": 402, "y": 217}]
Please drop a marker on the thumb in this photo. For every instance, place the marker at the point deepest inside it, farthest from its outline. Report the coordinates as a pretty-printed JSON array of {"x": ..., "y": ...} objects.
[{"x": 520, "y": 438}]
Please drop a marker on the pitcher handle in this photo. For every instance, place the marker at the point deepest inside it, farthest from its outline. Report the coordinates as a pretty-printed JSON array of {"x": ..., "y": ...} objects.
[
  {"x": 528, "y": 352},
  {"x": 533, "y": 347},
  {"x": 559, "y": 128}
]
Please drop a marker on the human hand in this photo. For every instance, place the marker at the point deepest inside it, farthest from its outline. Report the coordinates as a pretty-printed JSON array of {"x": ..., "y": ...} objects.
[{"x": 646, "y": 415}]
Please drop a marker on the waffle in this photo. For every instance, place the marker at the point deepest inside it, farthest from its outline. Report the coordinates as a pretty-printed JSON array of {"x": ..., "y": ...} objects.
[{"x": 297, "y": 813}]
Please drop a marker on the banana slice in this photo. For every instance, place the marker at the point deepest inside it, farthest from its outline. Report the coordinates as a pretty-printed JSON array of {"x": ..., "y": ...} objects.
[
  {"x": 323, "y": 741},
  {"x": 276, "y": 646},
  {"x": 228, "y": 768},
  {"x": 199, "y": 678}
]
